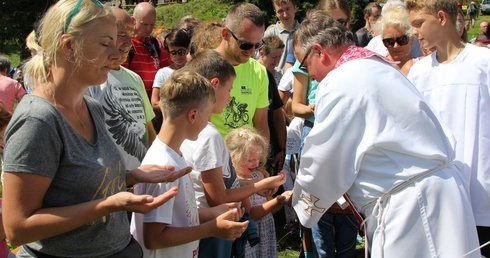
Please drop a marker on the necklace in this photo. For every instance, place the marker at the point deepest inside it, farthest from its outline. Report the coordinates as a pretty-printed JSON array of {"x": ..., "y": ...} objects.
[
  {"x": 460, "y": 48},
  {"x": 449, "y": 58},
  {"x": 73, "y": 112},
  {"x": 80, "y": 120}
]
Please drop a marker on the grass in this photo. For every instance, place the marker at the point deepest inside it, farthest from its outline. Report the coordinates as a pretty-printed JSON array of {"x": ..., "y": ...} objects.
[
  {"x": 12, "y": 50},
  {"x": 475, "y": 31},
  {"x": 288, "y": 244}
]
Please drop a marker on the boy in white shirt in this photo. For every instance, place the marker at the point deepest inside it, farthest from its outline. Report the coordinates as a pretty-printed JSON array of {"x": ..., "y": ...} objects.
[
  {"x": 215, "y": 180},
  {"x": 174, "y": 229},
  {"x": 455, "y": 80}
]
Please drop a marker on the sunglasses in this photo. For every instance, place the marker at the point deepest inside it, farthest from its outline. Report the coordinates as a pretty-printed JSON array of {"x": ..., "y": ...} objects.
[
  {"x": 401, "y": 41},
  {"x": 343, "y": 22},
  {"x": 302, "y": 64},
  {"x": 180, "y": 52},
  {"x": 245, "y": 45},
  {"x": 76, "y": 10}
]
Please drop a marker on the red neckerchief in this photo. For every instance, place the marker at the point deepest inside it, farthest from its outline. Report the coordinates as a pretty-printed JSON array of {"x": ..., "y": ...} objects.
[{"x": 353, "y": 52}]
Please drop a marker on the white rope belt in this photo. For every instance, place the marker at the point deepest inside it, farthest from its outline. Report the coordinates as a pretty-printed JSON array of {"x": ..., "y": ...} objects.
[
  {"x": 378, "y": 209},
  {"x": 402, "y": 186}
]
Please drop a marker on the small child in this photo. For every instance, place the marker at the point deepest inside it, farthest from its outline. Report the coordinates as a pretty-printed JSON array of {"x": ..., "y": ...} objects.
[
  {"x": 213, "y": 175},
  {"x": 248, "y": 149},
  {"x": 174, "y": 229}
]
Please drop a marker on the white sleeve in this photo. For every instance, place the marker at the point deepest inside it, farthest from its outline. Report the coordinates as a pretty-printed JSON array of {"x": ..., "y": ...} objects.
[
  {"x": 286, "y": 83},
  {"x": 328, "y": 165},
  {"x": 162, "y": 76},
  {"x": 208, "y": 153}
]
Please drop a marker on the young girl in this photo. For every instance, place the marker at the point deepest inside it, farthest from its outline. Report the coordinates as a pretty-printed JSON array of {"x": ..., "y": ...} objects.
[{"x": 248, "y": 149}]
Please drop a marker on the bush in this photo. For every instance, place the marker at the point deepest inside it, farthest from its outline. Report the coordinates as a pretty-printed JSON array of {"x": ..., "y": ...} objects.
[{"x": 204, "y": 10}]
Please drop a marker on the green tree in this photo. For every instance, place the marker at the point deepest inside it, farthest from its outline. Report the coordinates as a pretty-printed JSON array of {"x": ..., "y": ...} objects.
[
  {"x": 357, "y": 7},
  {"x": 18, "y": 19},
  {"x": 357, "y": 11},
  {"x": 268, "y": 8}
]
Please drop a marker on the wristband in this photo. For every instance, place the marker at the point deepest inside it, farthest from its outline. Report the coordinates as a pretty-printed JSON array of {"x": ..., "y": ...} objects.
[{"x": 308, "y": 254}]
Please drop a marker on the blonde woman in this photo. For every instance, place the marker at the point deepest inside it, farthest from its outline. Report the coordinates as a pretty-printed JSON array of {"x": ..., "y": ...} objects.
[{"x": 65, "y": 182}]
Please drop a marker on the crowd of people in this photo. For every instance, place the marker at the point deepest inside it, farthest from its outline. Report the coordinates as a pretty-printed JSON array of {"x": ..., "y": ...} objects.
[{"x": 183, "y": 142}]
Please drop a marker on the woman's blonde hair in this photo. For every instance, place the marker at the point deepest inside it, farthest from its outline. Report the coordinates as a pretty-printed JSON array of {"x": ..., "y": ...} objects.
[
  {"x": 31, "y": 42},
  {"x": 240, "y": 142},
  {"x": 396, "y": 15},
  {"x": 60, "y": 19}
]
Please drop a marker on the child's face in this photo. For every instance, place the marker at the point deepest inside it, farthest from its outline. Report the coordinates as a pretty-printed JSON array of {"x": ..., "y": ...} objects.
[
  {"x": 251, "y": 163},
  {"x": 427, "y": 28},
  {"x": 223, "y": 95}
]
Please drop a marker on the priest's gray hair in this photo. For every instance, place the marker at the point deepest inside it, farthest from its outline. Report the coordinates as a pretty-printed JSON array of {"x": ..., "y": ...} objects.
[{"x": 319, "y": 27}]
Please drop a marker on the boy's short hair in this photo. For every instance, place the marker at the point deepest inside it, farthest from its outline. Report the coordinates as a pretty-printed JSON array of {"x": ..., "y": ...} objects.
[
  {"x": 277, "y": 2},
  {"x": 211, "y": 64},
  {"x": 433, "y": 6},
  {"x": 329, "y": 5},
  {"x": 184, "y": 90},
  {"x": 369, "y": 8}
]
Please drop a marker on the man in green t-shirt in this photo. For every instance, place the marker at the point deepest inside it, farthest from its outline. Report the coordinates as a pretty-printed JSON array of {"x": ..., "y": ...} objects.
[{"x": 242, "y": 35}]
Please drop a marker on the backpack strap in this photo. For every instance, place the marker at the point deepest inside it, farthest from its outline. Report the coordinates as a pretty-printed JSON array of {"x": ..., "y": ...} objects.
[
  {"x": 153, "y": 41},
  {"x": 130, "y": 56},
  {"x": 156, "y": 44}
]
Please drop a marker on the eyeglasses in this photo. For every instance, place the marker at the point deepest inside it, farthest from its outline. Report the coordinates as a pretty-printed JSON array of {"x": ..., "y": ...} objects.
[
  {"x": 302, "y": 65},
  {"x": 180, "y": 52},
  {"x": 390, "y": 42},
  {"x": 76, "y": 10},
  {"x": 245, "y": 45},
  {"x": 343, "y": 22}
]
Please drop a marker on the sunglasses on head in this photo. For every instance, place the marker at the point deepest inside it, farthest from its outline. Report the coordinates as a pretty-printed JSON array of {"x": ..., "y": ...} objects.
[
  {"x": 180, "y": 52},
  {"x": 245, "y": 45},
  {"x": 343, "y": 22},
  {"x": 401, "y": 41},
  {"x": 75, "y": 11}
]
